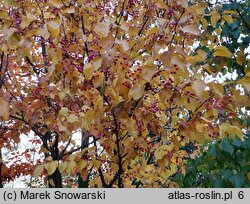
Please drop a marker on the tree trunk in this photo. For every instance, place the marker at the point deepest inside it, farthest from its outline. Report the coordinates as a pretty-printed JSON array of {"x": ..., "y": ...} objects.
[
  {"x": 80, "y": 181},
  {"x": 56, "y": 178}
]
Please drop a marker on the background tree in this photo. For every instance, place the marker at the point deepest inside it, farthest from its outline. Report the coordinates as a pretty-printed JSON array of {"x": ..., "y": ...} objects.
[{"x": 225, "y": 163}]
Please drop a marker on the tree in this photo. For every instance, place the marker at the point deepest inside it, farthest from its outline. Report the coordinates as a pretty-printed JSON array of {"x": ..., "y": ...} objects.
[
  {"x": 125, "y": 74},
  {"x": 225, "y": 163}
]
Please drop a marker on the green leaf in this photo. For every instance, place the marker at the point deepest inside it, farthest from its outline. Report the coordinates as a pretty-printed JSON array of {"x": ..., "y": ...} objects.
[
  {"x": 227, "y": 147},
  {"x": 238, "y": 180},
  {"x": 236, "y": 34},
  {"x": 234, "y": 25},
  {"x": 212, "y": 151},
  {"x": 237, "y": 142}
]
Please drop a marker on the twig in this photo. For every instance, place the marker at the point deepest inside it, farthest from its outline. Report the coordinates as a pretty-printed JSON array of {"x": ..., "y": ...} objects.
[
  {"x": 175, "y": 31},
  {"x": 143, "y": 25},
  {"x": 32, "y": 65},
  {"x": 85, "y": 41},
  {"x": 119, "y": 18},
  {"x": 75, "y": 150},
  {"x": 5, "y": 69}
]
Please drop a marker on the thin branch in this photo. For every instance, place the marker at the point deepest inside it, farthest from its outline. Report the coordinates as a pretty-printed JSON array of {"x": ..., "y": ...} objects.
[
  {"x": 200, "y": 105},
  {"x": 5, "y": 69},
  {"x": 75, "y": 150},
  {"x": 9, "y": 92},
  {"x": 119, "y": 172},
  {"x": 85, "y": 41},
  {"x": 143, "y": 25},
  {"x": 175, "y": 28},
  {"x": 99, "y": 169},
  {"x": 65, "y": 148},
  {"x": 119, "y": 18},
  {"x": 41, "y": 136},
  {"x": 242, "y": 18},
  {"x": 134, "y": 107},
  {"x": 113, "y": 180},
  {"x": 41, "y": 10},
  {"x": 1, "y": 65},
  {"x": 244, "y": 21},
  {"x": 21, "y": 119},
  {"x": 32, "y": 65}
]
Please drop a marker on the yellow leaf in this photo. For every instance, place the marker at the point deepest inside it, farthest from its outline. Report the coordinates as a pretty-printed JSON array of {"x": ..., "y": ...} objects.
[
  {"x": 240, "y": 58},
  {"x": 137, "y": 91},
  {"x": 51, "y": 167},
  {"x": 7, "y": 32},
  {"x": 43, "y": 32},
  {"x": 103, "y": 28},
  {"x": 98, "y": 79},
  {"x": 115, "y": 167},
  {"x": 202, "y": 55},
  {"x": 215, "y": 16},
  {"x": 160, "y": 152},
  {"x": 204, "y": 23},
  {"x": 199, "y": 87},
  {"x": 62, "y": 166},
  {"x": 84, "y": 174},
  {"x": 64, "y": 111},
  {"x": 56, "y": 3},
  {"x": 180, "y": 61},
  {"x": 148, "y": 72},
  {"x": 166, "y": 174},
  {"x": 27, "y": 20},
  {"x": 217, "y": 88},
  {"x": 82, "y": 164},
  {"x": 96, "y": 163},
  {"x": 228, "y": 19},
  {"x": 70, "y": 9},
  {"x": 70, "y": 166},
  {"x": 88, "y": 118},
  {"x": 49, "y": 159},
  {"x": 72, "y": 118},
  {"x": 231, "y": 130},
  {"x": 230, "y": 12},
  {"x": 222, "y": 51},
  {"x": 245, "y": 82},
  {"x": 97, "y": 63},
  {"x": 124, "y": 44},
  {"x": 200, "y": 128},
  {"x": 4, "y": 109},
  {"x": 192, "y": 29},
  {"x": 173, "y": 168},
  {"x": 38, "y": 170},
  {"x": 161, "y": 4},
  {"x": 53, "y": 28},
  {"x": 152, "y": 30},
  {"x": 88, "y": 71}
]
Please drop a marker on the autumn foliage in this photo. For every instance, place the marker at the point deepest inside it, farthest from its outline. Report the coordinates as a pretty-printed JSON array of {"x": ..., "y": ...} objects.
[{"x": 138, "y": 81}]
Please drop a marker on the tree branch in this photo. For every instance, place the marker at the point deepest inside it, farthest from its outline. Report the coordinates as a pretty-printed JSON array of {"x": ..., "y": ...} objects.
[
  {"x": 85, "y": 41},
  {"x": 75, "y": 150},
  {"x": 5, "y": 69},
  {"x": 175, "y": 27},
  {"x": 143, "y": 25}
]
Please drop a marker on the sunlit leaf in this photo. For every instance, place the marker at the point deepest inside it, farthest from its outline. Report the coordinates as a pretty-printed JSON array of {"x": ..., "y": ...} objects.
[
  {"x": 192, "y": 29},
  {"x": 222, "y": 51},
  {"x": 215, "y": 16},
  {"x": 51, "y": 167}
]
